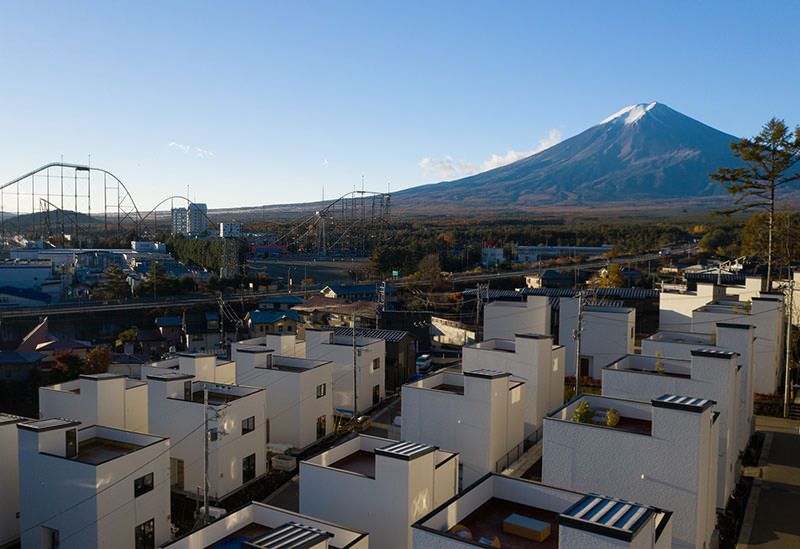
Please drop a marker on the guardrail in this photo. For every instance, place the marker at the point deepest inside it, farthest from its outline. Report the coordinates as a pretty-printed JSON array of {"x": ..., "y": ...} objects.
[{"x": 516, "y": 452}]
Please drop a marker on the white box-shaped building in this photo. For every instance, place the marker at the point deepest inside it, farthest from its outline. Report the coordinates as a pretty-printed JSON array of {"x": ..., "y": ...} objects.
[
  {"x": 237, "y": 438},
  {"x": 728, "y": 336},
  {"x": 661, "y": 453},
  {"x": 577, "y": 520},
  {"x": 111, "y": 400},
  {"x": 608, "y": 333},
  {"x": 378, "y": 485},
  {"x": 479, "y": 414},
  {"x": 370, "y": 360},
  {"x": 529, "y": 357},
  {"x": 269, "y": 526},
  {"x": 765, "y": 314},
  {"x": 505, "y": 319},
  {"x": 298, "y": 393},
  {"x": 92, "y": 486},
  {"x": 9, "y": 478},
  {"x": 711, "y": 374}
]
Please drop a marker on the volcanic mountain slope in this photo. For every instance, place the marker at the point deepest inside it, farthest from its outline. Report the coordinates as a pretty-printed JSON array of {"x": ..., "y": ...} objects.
[{"x": 646, "y": 154}]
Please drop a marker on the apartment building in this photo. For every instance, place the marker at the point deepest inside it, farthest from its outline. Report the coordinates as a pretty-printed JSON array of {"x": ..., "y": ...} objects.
[
  {"x": 530, "y": 357},
  {"x": 608, "y": 333},
  {"x": 710, "y": 374},
  {"x": 237, "y": 432},
  {"x": 92, "y": 486},
  {"x": 662, "y": 453},
  {"x": 377, "y": 485},
  {"x": 264, "y": 526},
  {"x": 369, "y": 355},
  {"x": 505, "y": 319},
  {"x": 501, "y": 511},
  {"x": 111, "y": 400},
  {"x": 298, "y": 393},
  {"x": 479, "y": 414}
]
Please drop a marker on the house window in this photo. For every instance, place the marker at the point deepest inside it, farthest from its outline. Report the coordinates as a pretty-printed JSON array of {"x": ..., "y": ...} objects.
[
  {"x": 249, "y": 468},
  {"x": 187, "y": 390},
  {"x": 267, "y": 431},
  {"x": 376, "y": 364},
  {"x": 213, "y": 434},
  {"x": 72, "y": 443},
  {"x": 376, "y": 394},
  {"x": 142, "y": 485},
  {"x": 176, "y": 473},
  {"x": 146, "y": 535},
  {"x": 280, "y": 328},
  {"x": 320, "y": 390},
  {"x": 321, "y": 426},
  {"x": 248, "y": 425}
]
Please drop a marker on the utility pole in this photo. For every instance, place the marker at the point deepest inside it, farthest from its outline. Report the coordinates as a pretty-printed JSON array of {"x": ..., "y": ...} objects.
[
  {"x": 576, "y": 335},
  {"x": 788, "y": 351},
  {"x": 355, "y": 371},
  {"x": 205, "y": 455}
]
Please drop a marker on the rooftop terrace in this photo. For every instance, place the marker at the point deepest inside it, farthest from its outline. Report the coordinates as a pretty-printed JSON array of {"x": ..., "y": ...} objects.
[
  {"x": 632, "y": 416},
  {"x": 670, "y": 367}
]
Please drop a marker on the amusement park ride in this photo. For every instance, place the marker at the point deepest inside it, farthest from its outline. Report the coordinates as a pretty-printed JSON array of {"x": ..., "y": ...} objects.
[{"x": 73, "y": 200}]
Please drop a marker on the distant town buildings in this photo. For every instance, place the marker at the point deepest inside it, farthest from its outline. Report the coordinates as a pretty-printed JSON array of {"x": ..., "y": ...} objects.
[{"x": 189, "y": 221}]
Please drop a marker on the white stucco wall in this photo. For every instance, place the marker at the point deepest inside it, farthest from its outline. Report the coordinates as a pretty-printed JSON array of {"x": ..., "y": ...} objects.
[
  {"x": 9, "y": 480},
  {"x": 505, "y": 319}
]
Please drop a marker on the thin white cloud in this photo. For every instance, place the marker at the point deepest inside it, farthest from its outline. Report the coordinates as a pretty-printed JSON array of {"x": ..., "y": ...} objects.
[
  {"x": 187, "y": 149},
  {"x": 325, "y": 162},
  {"x": 448, "y": 168}
]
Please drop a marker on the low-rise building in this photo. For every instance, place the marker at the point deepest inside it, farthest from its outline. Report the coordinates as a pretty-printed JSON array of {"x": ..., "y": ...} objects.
[
  {"x": 369, "y": 356},
  {"x": 491, "y": 257},
  {"x": 202, "y": 366},
  {"x": 479, "y": 414},
  {"x": 711, "y": 374},
  {"x": 92, "y": 486},
  {"x": 378, "y": 485},
  {"x": 170, "y": 328},
  {"x": 607, "y": 334},
  {"x": 237, "y": 432},
  {"x": 264, "y": 526},
  {"x": 280, "y": 303},
  {"x": 18, "y": 365},
  {"x": 522, "y": 513},
  {"x": 260, "y": 322},
  {"x": 9, "y": 479},
  {"x": 401, "y": 352},
  {"x": 505, "y": 319},
  {"x": 529, "y": 357},
  {"x": 111, "y": 400},
  {"x": 661, "y": 453},
  {"x": 298, "y": 393}
]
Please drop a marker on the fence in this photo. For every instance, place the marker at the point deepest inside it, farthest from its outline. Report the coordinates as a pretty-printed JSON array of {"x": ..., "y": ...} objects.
[{"x": 517, "y": 451}]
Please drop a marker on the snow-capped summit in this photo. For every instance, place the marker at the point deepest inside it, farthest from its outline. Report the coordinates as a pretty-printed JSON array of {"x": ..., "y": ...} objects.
[
  {"x": 645, "y": 153},
  {"x": 634, "y": 112}
]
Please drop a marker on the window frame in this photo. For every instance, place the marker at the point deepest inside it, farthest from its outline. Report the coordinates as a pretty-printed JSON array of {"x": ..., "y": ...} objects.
[
  {"x": 141, "y": 485},
  {"x": 248, "y": 425}
]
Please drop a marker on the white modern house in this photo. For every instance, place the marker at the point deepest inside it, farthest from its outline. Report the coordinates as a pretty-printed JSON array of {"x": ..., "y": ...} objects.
[
  {"x": 661, "y": 453},
  {"x": 298, "y": 393},
  {"x": 710, "y": 374},
  {"x": 202, "y": 366},
  {"x": 608, "y": 333},
  {"x": 522, "y": 513},
  {"x": 271, "y": 527},
  {"x": 92, "y": 486},
  {"x": 765, "y": 314},
  {"x": 530, "y": 357},
  {"x": 728, "y": 336},
  {"x": 369, "y": 355},
  {"x": 505, "y": 319},
  {"x": 9, "y": 478},
  {"x": 676, "y": 305},
  {"x": 236, "y": 438},
  {"x": 377, "y": 485},
  {"x": 111, "y": 400},
  {"x": 479, "y": 414}
]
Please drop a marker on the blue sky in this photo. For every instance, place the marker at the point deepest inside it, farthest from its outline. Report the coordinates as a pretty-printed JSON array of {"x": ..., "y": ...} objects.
[{"x": 255, "y": 103}]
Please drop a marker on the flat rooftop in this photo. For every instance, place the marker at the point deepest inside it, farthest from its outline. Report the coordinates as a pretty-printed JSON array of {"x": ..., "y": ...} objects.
[
  {"x": 683, "y": 337},
  {"x": 252, "y": 532},
  {"x": 487, "y": 522},
  {"x": 214, "y": 398},
  {"x": 360, "y": 461},
  {"x": 97, "y": 450}
]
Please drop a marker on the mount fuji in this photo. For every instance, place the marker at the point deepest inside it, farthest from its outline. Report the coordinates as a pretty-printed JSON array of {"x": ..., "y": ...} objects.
[{"x": 644, "y": 155}]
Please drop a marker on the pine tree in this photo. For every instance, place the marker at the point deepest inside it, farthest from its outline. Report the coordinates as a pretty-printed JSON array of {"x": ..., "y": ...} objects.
[{"x": 115, "y": 285}]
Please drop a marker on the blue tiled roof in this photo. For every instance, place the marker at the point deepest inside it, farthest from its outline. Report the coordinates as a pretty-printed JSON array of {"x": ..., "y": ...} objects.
[
  {"x": 169, "y": 322},
  {"x": 289, "y": 299},
  {"x": 20, "y": 357},
  {"x": 269, "y": 317},
  {"x": 25, "y": 293}
]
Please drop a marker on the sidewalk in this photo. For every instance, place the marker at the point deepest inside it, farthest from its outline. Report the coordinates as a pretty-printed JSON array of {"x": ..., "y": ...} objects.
[{"x": 771, "y": 519}]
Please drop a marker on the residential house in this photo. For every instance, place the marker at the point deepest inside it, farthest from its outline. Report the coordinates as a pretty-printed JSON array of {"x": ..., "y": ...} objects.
[
  {"x": 522, "y": 513},
  {"x": 260, "y": 322},
  {"x": 401, "y": 352},
  {"x": 607, "y": 334},
  {"x": 110, "y": 400},
  {"x": 9, "y": 479},
  {"x": 264, "y": 526},
  {"x": 479, "y": 414},
  {"x": 298, "y": 392},
  {"x": 280, "y": 303},
  {"x": 18, "y": 365},
  {"x": 677, "y": 303},
  {"x": 92, "y": 486},
  {"x": 237, "y": 432},
  {"x": 661, "y": 453},
  {"x": 201, "y": 331},
  {"x": 532, "y": 358},
  {"x": 505, "y": 319},
  {"x": 151, "y": 342},
  {"x": 550, "y": 279},
  {"x": 369, "y": 356},
  {"x": 377, "y": 485},
  {"x": 711, "y": 373},
  {"x": 170, "y": 328}
]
